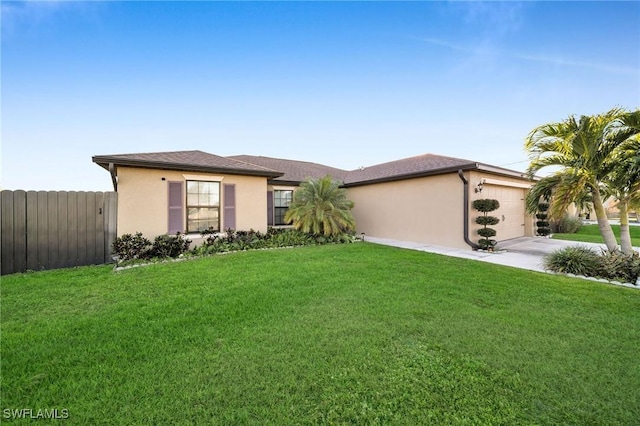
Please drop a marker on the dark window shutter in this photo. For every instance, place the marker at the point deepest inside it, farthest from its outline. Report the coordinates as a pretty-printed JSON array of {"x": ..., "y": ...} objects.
[
  {"x": 175, "y": 208},
  {"x": 270, "y": 208},
  {"x": 229, "y": 206}
]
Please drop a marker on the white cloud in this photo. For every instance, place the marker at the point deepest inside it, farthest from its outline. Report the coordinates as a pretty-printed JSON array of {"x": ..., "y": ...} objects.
[
  {"x": 485, "y": 51},
  {"x": 18, "y": 16}
]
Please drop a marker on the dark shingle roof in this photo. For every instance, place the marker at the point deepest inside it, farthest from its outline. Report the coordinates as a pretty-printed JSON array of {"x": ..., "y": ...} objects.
[
  {"x": 294, "y": 171},
  {"x": 421, "y": 165},
  {"x": 186, "y": 160}
]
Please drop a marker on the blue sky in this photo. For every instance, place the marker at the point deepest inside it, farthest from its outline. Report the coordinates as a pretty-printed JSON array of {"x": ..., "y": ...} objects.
[{"x": 343, "y": 84}]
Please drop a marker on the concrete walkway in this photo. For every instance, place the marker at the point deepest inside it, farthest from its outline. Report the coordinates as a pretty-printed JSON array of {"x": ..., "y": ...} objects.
[{"x": 523, "y": 252}]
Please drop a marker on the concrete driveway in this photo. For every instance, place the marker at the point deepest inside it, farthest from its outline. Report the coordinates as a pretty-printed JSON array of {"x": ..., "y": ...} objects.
[{"x": 523, "y": 252}]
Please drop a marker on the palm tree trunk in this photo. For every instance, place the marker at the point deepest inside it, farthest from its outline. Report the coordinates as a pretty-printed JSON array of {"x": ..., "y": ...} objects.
[
  {"x": 625, "y": 236},
  {"x": 603, "y": 223}
]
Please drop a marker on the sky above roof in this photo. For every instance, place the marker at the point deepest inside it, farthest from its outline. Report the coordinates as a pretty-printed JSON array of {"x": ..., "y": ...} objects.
[{"x": 341, "y": 84}]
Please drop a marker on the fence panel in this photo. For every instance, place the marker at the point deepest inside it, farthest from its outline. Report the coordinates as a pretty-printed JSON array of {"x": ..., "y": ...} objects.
[
  {"x": 19, "y": 231},
  {"x": 6, "y": 210},
  {"x": 56, "y": 229},
  {"x": 32, "y": 236}
]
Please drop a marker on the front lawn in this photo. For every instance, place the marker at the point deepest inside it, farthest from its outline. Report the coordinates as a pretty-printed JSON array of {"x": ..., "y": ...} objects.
[
  {"x": 591, "y": 234},
  {"x": 337, "y": 334}
]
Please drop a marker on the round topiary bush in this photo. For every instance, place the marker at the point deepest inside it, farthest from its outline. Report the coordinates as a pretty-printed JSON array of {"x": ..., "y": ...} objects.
[
  {"x": 485, "y": 206},
  {"x": 542, "y": 224},
  {"x": 487, "y": 220},
  {"x": 487, "y": 232}
]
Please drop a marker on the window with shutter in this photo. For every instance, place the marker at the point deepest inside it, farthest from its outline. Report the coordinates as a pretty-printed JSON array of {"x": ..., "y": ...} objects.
[
  {"x": 203, "y": 206},
  {"x": 282, "y": 200},
  {"x": 176, "y": 223},
  {"x": 229, "y": 206},
  {"x": 270, "y": 208}
]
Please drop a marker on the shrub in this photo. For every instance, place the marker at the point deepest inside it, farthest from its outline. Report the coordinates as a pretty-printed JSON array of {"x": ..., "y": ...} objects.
[
  {"x": 620, "y": 267},
  {"x": 569, "y": 224},
  {"x": 543, "y": 232},
  {"x": 542, "y": 224},
  {"x": 485, "y": 206},
  {"x": 486, "y": 232},
  {"x": 129, "y": 247},
  {"x": 282, "y": 237},
  {"x": 581, "y": 260},
  {"x": 487, "y": 220},
  {"x": 578, "y": 260},
  {"x": 486, "y": 243},
  {"x": 169, "y": 246}
]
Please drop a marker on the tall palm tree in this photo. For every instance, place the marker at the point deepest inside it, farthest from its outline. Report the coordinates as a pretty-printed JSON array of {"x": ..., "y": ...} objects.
[
  {"x": 321, "y": 207},
  {"x": 583, "y": 154},
  {"x": 623, "y": 179}
]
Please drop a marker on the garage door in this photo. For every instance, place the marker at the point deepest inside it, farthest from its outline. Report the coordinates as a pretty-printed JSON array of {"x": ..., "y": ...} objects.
[{"x": 510, "y": 213}]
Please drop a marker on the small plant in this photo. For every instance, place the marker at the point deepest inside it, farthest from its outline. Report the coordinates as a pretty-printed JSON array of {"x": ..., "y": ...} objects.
[
  {"x": 578, "y": 260},
  {"x": 581, "y": 260},
  {"x": 569, "y": 224},
  {"x": 542, "y": 224},
  {"x": 169, "y": 246},
  {"x": 485, "y": 206},
  {"x": 130, "y": 247},
  {"x": 618, "y": 266}
]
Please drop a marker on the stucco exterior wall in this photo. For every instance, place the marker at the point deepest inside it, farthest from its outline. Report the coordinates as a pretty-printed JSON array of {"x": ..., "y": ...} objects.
[
  {"x": 509, "y": 194},
  {"x": 143, "y": 199},
  {"x": 430, "y": 209},
  {"x": 426, "y": 210}
]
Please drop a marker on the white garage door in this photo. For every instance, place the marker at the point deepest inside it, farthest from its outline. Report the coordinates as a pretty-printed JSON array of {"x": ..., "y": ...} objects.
[{"x": 510, "y": 213}]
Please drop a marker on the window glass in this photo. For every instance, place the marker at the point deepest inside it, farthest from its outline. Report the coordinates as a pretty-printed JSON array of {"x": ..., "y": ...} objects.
[
  {"x": 281, "y": 201},
  {"x": 203, "y": 201}
]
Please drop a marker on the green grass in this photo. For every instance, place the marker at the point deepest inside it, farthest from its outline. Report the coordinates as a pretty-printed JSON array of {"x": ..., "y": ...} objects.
[
  {"x": 591, "y": 234},
  {"x": 339, "y": 334}
]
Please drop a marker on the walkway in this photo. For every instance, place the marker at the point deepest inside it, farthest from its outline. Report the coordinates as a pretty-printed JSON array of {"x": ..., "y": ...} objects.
[{"x": 523, "y": 252}]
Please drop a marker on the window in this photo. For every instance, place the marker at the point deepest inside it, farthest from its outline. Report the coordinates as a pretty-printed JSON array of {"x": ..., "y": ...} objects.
[
  {"x": 203, "y": 206},
  {"x": 281, "y": 201}
]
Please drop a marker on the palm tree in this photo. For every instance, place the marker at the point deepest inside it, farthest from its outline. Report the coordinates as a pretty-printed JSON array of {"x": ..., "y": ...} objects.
[
  {"x": 623, "y": 179},
  {"x": 321, "y": 207},
  {"x": 583, "y": 154}
]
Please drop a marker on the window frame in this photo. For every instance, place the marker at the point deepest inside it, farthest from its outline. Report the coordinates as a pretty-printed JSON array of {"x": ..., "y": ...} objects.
[
  {"x": 189, "y": 206},
  {"x": 280, "y": 211}
]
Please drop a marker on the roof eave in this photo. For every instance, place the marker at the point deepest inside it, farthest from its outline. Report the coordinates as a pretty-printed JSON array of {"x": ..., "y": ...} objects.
[
  {"x": 104, "y": 163},
  {"x": 505, "y": 172},
  {"x": 442, "y": 171}
]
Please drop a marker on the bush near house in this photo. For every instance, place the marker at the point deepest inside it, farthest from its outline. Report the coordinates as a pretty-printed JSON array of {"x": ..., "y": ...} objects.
[
  {"x": 134, "y": 248},
  {"x": 485, "y": 206},
  {"x": 129, "y": 247},
  {"x": 542, "y": 224},
  {"x": 569, "y": 224},
  {"x": 581, "y": 260}
]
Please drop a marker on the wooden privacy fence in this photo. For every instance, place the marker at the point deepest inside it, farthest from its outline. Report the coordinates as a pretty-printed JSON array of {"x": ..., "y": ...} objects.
[{"x": 56, "y": 229}]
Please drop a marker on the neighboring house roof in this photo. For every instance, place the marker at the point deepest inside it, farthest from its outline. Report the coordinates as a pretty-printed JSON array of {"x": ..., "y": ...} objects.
[
  {"x": 294, "y": 171},
  {"x": 197, "y": 161}
]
